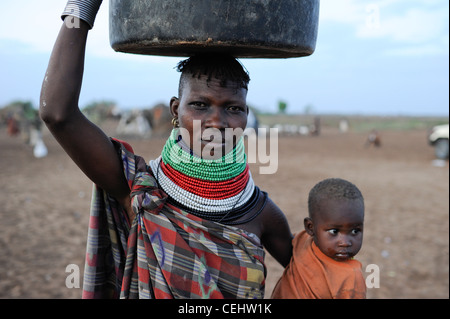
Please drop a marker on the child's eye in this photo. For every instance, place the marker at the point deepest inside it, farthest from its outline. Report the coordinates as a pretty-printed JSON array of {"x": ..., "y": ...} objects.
[
  {"x": 333, "y": 232},
  {"x": 356, "y": 231}
]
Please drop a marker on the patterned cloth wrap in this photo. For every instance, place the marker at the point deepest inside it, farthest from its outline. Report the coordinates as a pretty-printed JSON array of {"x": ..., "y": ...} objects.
[{"x": 166, "y": 252}]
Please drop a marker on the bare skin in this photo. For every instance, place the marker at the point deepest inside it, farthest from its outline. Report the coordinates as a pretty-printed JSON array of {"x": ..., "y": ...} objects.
[
  {"x": 94, "y": 153},
  {"x": 337, "y": 228}
]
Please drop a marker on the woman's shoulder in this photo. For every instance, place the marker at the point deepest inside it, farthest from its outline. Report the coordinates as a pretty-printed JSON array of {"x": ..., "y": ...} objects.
[
  {"x": 270, "y": 218},
  {"x": 271, "y": 209},
  {"x": 132, "y": 163}
]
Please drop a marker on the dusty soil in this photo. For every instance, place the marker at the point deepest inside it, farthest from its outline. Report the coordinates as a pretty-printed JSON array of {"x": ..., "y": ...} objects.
[{"x": 45, "y": 202}]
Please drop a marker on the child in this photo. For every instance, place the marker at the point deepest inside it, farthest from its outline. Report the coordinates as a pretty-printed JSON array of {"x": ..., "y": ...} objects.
[{"x": 322, "y": 264}]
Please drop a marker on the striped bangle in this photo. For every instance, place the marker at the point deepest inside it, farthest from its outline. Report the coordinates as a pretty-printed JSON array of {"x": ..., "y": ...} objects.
[{"x": 85, "y": 10}]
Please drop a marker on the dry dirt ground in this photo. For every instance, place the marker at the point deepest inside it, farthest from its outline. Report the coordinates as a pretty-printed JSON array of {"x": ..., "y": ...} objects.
[{"x": 44, "y": 209}]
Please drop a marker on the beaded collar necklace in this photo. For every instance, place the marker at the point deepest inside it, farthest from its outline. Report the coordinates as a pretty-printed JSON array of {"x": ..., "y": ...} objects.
[
  {"x": 178, "y": 155},
  {"x": 221, "y": 190}
]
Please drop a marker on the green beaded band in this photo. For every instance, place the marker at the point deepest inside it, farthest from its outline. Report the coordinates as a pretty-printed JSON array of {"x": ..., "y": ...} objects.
[
  {"x": 228, "y": 166},
  {"x": 174, "y": 147}
]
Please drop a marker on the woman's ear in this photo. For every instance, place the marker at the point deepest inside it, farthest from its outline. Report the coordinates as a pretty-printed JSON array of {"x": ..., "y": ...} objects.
[
  {"x": 309, "y": 226},
  {"x": 174, "y": 104}
]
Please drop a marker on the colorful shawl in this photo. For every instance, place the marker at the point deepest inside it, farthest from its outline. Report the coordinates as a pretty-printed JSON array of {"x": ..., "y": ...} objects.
[
  {"x": 166, "y": 252},
  {"x": 313, "y": 275}
]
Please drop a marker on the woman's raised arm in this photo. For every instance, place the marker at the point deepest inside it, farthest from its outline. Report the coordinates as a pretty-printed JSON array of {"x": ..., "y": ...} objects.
[{"x": 83, "y": 141}]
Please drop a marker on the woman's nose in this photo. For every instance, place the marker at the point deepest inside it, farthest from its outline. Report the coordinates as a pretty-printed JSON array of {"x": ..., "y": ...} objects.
[{"x": 216, "y": 118}]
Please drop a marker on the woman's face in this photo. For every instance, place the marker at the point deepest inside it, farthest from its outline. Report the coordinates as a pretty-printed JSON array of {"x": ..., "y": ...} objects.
[{"x": 214, "y": 116}]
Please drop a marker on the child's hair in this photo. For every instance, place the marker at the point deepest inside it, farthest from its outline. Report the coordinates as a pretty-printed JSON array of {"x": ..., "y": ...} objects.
[
  {"x": 222, "y": 67},
  {"x": 333, "y": 188}
]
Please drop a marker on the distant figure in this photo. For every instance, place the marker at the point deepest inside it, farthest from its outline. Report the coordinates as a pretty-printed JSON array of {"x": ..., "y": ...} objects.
[
  {"x": 373, "y": 139},
  {"x": 40, "y": 150},
  {"x": 322, "y": 264},
  {"x": 315, "y": 128},
  {"x": 343, "y": 126},
  {"x": 13, "y": 126}
]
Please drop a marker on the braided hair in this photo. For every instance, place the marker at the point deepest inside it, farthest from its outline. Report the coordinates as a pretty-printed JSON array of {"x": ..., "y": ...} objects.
[{"x": 225, "y": 68}]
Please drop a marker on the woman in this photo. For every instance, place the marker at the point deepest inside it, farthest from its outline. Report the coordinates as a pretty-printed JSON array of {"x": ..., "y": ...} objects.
[{"x": 181, "y": 226}]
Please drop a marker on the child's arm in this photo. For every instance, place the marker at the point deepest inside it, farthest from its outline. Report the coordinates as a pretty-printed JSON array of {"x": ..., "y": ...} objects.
[
  {"x": 276, "y": 235},
  {"x": 84, "y": 142}
]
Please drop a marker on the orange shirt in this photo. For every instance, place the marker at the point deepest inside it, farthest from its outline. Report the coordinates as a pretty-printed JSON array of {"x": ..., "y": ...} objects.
[{"x": 313, "y": 275}]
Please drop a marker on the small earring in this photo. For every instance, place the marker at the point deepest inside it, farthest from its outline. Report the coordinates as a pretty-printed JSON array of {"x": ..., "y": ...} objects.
[{"x": 175, "y": 122}]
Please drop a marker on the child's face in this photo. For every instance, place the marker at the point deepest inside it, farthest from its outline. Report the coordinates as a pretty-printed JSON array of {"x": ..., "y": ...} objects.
[
  {"x": 337, "y": 228},
  {"x": 214, "y": 106}
]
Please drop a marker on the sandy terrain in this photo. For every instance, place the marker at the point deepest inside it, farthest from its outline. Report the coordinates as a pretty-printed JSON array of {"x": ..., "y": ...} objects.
[{"x": 45, "y": 202}]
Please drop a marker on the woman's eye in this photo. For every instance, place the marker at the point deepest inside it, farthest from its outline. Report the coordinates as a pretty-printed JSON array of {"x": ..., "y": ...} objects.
[
  {"x": 198, "y": 104},
  {"x": 236, "y": 108}
]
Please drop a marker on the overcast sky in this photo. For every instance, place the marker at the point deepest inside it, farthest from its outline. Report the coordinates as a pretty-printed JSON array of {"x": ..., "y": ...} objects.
[{"x": 381, "y": 57}]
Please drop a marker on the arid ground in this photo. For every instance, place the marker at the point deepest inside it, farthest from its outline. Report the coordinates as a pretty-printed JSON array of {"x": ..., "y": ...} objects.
[{"x": 44, "y": 209}]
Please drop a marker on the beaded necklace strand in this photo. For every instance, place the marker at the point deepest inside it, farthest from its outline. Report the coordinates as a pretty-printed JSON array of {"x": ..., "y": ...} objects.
[
  {"x": 220, "y": 190},
  {"x": 230, "y": 165},
  {"x": 211, "y": 190},
  {"x": 233, "y": 216},
  {"x": 197, "y": 202}
]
